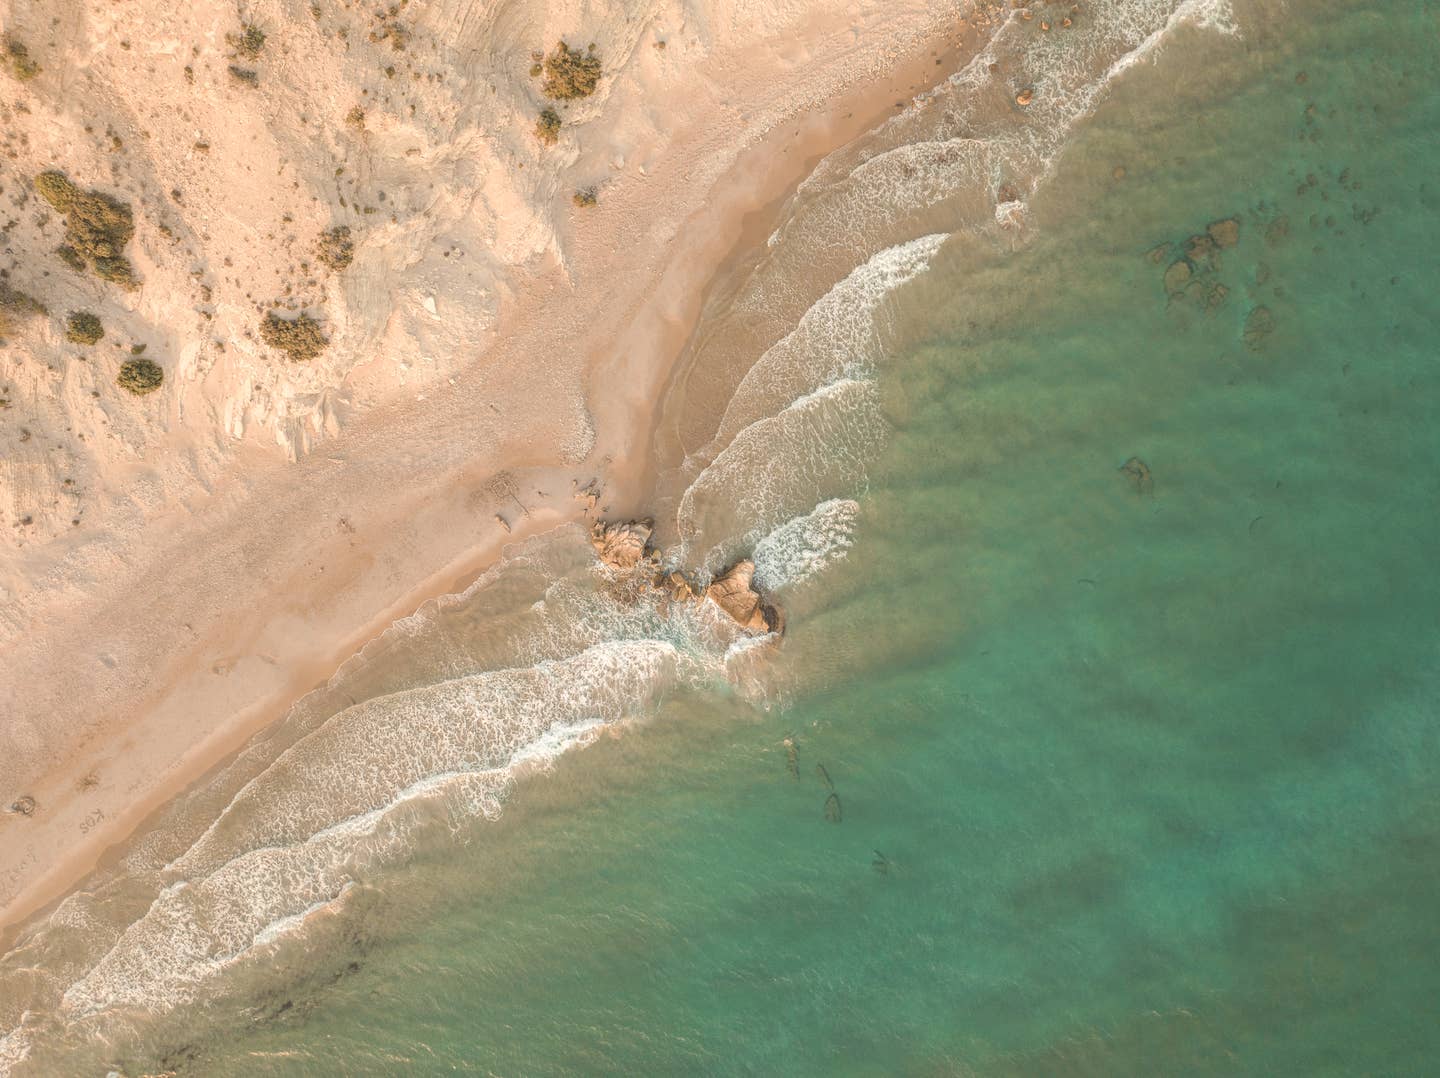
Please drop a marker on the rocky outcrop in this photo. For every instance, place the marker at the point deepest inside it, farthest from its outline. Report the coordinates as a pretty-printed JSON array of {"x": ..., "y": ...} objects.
[
  {"x": 733, "y": 591},
  {"x": 624, "y": 548},
  {"x": 621, "y": 546}
]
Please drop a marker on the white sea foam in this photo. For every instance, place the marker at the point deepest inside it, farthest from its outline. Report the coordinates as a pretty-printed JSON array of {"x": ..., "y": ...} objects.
[
  {"x": 801, "y": 548},
  {"x": 818, "y": 446},
  {"x": 341, "y": 801},
  {"x": 840, "y": 336}
]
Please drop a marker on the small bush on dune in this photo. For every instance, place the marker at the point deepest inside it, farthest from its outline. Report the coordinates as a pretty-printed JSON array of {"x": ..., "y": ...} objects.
[
  {"x": 82, "y": 327},
  {"x": 97, "y": 228},
  {"x": 335, "y": 248},
  {"x": 585, "y": 197},
  {"x": 249, "y": 42},
  {"x": 56, "y": 189},
  {"x": 299, "y": 338},
  {"x": 140, "y": 376},
  {"x": 15, "y": 307},
  {"x": 21, "y": 66},
  {"x": 570, "y": 73},
  {"x": 547, "y": 127}
]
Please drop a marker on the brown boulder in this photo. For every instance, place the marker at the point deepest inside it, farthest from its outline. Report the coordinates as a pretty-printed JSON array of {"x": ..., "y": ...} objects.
[
  {"x": 679, "y": 588},
  {"x": 621, "y": 546},
  {"x": 733, "y": 591}
]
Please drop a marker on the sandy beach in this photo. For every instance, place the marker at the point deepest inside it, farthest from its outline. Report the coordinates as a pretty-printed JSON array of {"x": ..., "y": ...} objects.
[{"x": 222, "y": 570}]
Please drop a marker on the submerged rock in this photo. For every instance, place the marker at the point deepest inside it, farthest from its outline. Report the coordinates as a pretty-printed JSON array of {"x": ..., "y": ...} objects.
[
  {"x": 1177, "y": 276},
  {"x": 1225, "y": 233},
  {"x": 1259, "y": 324},
  {"x": 621, "y": 546},
  {"x": 1138, "y": 473}
]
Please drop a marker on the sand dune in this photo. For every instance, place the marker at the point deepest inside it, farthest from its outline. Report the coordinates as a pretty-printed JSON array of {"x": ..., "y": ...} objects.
[{"x": 175, "y": 568}]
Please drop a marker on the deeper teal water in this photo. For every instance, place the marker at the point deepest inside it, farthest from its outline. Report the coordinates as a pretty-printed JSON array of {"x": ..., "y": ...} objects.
[{"x": 1136, "y": 778}]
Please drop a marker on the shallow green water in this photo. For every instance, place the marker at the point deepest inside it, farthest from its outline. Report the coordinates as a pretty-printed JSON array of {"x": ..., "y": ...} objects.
[{"x": 1135, "y": 777}]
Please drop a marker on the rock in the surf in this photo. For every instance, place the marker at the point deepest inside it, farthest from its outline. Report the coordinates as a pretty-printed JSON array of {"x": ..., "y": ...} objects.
[
  {"x": 733, "y": 591},
  {"x": 679, "y": 587},
  {"x": 621, "y": 546}
]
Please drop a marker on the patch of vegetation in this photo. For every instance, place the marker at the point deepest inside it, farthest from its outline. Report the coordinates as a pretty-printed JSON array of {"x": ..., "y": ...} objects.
[
  {"x": 18, "y": 56},
  {"x": 335, "y": 248},
  {"x": 140, "y": 376},
  {"x": 299, "y": 338},
  {"x": 15, "y": 306},
  {"x": 392, "y": 32},
  {"x": 82, "y": 327},
  {"x": 97, "y": 228},
  {"x": 586, "y": 196},
  {"x": 356, "y": 118},
  {"x": 547, "y": 127},
  {"x": 249, "y": 42},
  {"x": 570, "y": 73},
  {"x": 244, "y": 76},
  {"x": 56, "y": 189}
]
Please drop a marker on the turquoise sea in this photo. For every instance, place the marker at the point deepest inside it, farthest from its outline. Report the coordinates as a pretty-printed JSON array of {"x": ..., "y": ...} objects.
[{"x": 1113, "y": 627}]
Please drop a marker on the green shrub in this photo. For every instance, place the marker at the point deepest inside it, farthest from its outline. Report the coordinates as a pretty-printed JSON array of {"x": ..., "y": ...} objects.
[
  {"x": 586, "y": 196},
  {"x": 249, "y": 42},
  {"x": 570, "y": 73},
  {"x": 21, "y": 66},
  {"x": 356, "y": 118},
  {"x": 82, "y": 327},
  {"x": 56, "y": 189},
  {"x": 547, "y": 127},
  {"x": 299, "y": 338},
  {"x": 140, "y": 376},
  {"x": 335, "y": 248},
  {"x": 97, "y": 228}
]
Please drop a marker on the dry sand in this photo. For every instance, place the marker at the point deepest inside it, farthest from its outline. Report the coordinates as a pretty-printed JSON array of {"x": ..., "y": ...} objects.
[{"x": 250, "y": 525}]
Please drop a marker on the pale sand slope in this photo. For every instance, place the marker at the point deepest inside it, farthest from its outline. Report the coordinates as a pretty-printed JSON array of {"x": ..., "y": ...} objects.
[{"x": 246, "y": 527}]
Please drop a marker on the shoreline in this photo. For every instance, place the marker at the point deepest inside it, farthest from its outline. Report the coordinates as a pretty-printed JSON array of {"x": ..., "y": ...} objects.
[{"x": 735, "y": 210}]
